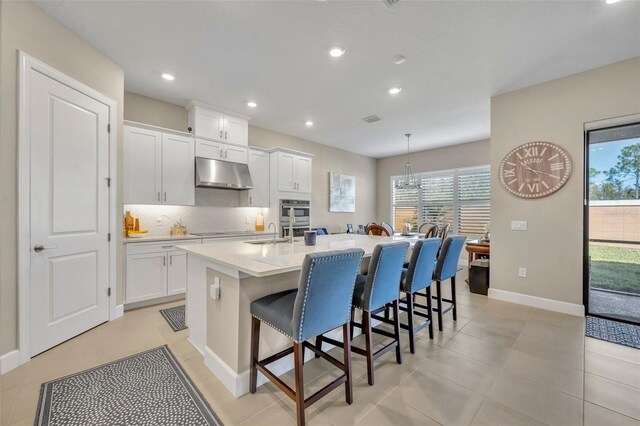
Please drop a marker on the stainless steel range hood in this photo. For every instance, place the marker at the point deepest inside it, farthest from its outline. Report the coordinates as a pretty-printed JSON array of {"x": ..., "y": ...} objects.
[{"x": 222, "y": 174}]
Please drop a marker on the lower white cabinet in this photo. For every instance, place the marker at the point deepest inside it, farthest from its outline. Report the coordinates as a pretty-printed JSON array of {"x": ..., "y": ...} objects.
[{"x": 155, "y": 270}]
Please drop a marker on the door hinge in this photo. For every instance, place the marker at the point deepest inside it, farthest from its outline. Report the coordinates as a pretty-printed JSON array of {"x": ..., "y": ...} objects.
[
  {"x": 109, "y": 236},
  {"x": 109, "y": 292},
  {"x": 108, "y": 182},
  {"x": 108, "y": 128}
]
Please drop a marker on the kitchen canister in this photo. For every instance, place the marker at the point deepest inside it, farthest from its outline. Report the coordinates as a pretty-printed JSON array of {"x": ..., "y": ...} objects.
[{"x": 310, "y": 238}]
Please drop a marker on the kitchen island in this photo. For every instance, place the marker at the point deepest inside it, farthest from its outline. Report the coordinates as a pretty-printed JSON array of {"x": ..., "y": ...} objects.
[{"x": 245, "y": 271}]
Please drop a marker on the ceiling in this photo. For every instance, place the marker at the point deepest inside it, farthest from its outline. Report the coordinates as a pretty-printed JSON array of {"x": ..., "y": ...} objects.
[{"x": 459, "y": 54}]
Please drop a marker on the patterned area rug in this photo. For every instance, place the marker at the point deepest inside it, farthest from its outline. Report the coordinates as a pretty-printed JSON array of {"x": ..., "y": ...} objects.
[
  {"x": 614, "y": 331},
  {"x": 149, "y": 388},
  {"x": 175, "y": 317}
]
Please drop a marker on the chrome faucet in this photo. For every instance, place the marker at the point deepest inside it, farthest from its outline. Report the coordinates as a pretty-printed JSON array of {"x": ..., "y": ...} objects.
[{"x": 275, "y": 231}]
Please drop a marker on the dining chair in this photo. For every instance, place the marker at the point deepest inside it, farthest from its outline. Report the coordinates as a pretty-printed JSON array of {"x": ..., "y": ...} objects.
[
  {"x": 372, "y": 293},
  {"x": 377, "y": 230},
  {"x": 388, "y": 227},
  {"x": 431, "y": 231},
  {"x": 322, "y": 302},
  {"x": 446, "y": 268}
]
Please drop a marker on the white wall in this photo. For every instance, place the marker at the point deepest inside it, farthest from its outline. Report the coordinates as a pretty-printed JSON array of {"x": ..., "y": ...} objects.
[{"x": 551, "y": 248}]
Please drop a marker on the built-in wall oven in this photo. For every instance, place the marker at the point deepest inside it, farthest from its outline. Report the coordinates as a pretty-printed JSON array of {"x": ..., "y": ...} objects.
[{"x": 302, "y": 215}]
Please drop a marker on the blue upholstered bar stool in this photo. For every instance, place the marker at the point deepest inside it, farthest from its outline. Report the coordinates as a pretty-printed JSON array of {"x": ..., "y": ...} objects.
[
  {"x": 372, "y": 294},
  {"x": 321, "y": 303},
  {"x": 416, "y": 278},
  {"x": 446, "y": 268}
]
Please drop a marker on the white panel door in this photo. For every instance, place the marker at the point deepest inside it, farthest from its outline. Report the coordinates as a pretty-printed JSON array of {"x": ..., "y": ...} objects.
[
  {"x": 177, "y": 274},
  {"x": 178, "y": 165},
  {"x": 209, "y": 149},
  {"x": 235, "y": 154},
  {"x": 209, "y": 124},
  {"x": 236, "y": 130},
  {"x": 142, "y": 166},
  {"x": 286, "y": 171},
  {"x": 69, "y": 271},
  {"x": 303, "y": 174},
  {"x": 146, "y": 276}
]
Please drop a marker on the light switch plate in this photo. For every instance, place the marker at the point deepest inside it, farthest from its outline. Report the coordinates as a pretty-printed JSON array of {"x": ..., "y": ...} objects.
[
  {"x": 518, "y": 225},
  {"x": 522, "y": 272}
]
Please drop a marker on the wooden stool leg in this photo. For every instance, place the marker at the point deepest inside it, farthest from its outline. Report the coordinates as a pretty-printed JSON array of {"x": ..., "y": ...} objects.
[
  {"x": 366, "y": 329},
  {"x": 255, "y": 342},
  {"x": 430, "y": 309},
  {"x": 318, "y": 345},
  {"x": 439, "y": 304},
  {"x": 351, "y": 326},
  {"x": 298, "y": 365},
  {"x": 348, "y": 386},
  {"x": 396, "y": 329},
  {"x": 453, "y": 298},
  {"x": 412, "y": 346}
]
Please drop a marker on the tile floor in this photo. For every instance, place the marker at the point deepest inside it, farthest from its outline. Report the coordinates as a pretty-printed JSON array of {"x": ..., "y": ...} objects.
[{"x": 500, "y": 364}]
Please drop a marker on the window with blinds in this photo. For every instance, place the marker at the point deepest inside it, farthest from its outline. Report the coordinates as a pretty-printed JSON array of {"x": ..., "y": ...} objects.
[{"x": 460, "y": 198}]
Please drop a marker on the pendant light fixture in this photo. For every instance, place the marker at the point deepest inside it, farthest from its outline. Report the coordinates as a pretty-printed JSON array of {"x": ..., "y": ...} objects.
[{"x": 409, "y": 181}]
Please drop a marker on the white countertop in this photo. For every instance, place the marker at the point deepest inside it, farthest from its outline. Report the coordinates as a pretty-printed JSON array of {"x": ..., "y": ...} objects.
[
  {"x": 262, "y": 260},
  {"x": 160, "y": 238}
]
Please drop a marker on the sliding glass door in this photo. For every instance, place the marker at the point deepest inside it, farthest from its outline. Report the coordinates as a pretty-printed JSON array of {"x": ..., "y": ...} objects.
[{"x": 612, "y": 223}]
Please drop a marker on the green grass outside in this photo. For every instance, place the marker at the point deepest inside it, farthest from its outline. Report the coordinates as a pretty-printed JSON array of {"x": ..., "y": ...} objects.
[{"x": 615, "y": 268}]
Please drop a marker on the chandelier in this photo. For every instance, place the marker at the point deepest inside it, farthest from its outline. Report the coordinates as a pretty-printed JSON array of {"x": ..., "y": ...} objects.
[{"x": 408, "y": 181}]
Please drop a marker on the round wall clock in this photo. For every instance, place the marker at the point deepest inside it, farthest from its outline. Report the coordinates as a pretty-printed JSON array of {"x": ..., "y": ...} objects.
[{"x": 535, "y": 169}]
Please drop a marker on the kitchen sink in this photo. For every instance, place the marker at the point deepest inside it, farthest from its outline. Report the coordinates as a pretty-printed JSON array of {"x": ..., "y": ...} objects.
[{"x": 270, "y": 241}]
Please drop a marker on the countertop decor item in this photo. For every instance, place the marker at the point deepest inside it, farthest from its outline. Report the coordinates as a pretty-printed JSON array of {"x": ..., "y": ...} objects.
[
  {"x": 260, "y": 221},
  {"x": 178, "y": 229},
  {"x": 342, "y": 193},
  {"x": 535, "y": 169},
  {"x": 409, "y": 180},
  {"x": 310, "y": 238}
]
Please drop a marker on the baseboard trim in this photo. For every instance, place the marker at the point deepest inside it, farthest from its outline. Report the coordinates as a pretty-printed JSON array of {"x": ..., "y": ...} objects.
[
  {"x": 118, "y": 311},
  {"x": 537, "y": 302},
  {"x": 9, "y": 361}
]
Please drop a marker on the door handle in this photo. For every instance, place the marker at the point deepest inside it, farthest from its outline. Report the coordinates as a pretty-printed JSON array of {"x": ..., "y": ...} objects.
[{"x": 40, "y": 248}]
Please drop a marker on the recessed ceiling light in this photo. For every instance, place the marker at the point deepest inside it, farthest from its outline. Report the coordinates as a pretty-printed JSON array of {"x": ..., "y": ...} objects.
[
  {"x": 398, "y": 59},
  {"x": 308, "y": 123},
  {"x": 251, "y": 104},
  {"x": 612, "y": 1},
  {"x": 336, "y": 51},
  {"x": 168, "y": 77},
  {"x": 395, "y": 90}
]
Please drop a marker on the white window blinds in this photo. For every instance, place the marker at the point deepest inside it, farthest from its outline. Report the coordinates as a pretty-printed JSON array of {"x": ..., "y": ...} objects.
[{"x": 460, "y": 198}]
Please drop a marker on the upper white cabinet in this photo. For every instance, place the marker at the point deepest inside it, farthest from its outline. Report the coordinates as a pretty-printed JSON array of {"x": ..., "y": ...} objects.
[
  {"x": 259, "y": 169},
  {"x": 293, "y": 172},
  {"x": 205, "y": 122},
  {"x": 221, "y": 151},
  {"x": 158, "y": 167}
]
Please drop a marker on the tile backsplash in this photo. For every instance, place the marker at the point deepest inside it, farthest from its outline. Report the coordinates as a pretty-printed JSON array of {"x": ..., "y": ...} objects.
[{"x": 214, "y": 210}]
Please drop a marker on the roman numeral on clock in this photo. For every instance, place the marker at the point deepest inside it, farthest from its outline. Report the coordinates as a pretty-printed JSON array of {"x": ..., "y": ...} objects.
[
  {"x": 531, "y": 152},
  {"x": 533, "y": 187},
  {"x": 556, "y": 166},
  {"x": 510, "y": 173}
]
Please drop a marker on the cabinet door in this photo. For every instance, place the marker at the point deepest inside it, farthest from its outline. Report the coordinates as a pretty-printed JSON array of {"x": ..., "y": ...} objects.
[
  {"x": 178, "y": 164},
  {"x": 236, "y": 130},
  {"x": 177, "y": 274},
  {"x": 286, "y": 175},
  {"x": 259, "y": 169},
  {"x": 209, "y": 149},
  {"x": 209, "y": 124},
  {"x": 142, "y": 166},
  {"x": 146, "y": 276},
  {"x": 235, "y": 154},
  {"x": 303, "y": 174}
]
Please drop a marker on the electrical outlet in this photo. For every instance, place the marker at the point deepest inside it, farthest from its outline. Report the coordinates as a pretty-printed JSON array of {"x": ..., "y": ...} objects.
[
  {"x": 522, "y": 272},
  {"x": 214, "y": 290},
  {"x": 518, "y": 225},
  {"x": 246, "y": 220}
]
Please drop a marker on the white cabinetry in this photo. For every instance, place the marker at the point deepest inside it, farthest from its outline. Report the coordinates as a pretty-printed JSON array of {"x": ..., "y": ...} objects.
[
  {"x": 293, "y": 172},
  {"x": 221, "y": 151},
  {"x": 206, "y": 122},
  {"x": 155, "y": 270},
  {"x": 158, "y": 167},
  {"x": 259, "y": 169}
]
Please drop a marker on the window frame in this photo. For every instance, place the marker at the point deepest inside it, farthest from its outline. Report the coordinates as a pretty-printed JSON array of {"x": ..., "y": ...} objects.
[{"x": 456, "y": 202}]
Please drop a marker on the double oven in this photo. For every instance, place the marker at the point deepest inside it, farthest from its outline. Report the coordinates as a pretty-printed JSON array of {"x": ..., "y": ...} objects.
[{"x": 302, "y": 215}]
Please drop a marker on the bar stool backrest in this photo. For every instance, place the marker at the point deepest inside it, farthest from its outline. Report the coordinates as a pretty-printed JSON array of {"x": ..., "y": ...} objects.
[
  {"x": 325, "y": 292},
  {"x": 423, "y": 258},
  {"x": 432, "y": 232},
  {"x": 447, "y": 264},
  {"x": 383, "y": 279}
]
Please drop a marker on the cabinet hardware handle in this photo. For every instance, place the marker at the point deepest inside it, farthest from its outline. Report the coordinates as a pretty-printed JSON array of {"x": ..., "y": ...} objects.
[
  {"x": 164, "y": 261},
  {"x": 158, "y": 195},
  {"x": 165, "y": 196},
  {"x": 250, "y": 200},
  {"x": 170, "y": 260},
  {"x": 225, "y": 135},
  {"x": 167, "y": 246},
  {"x": 220, "y": 134}
]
